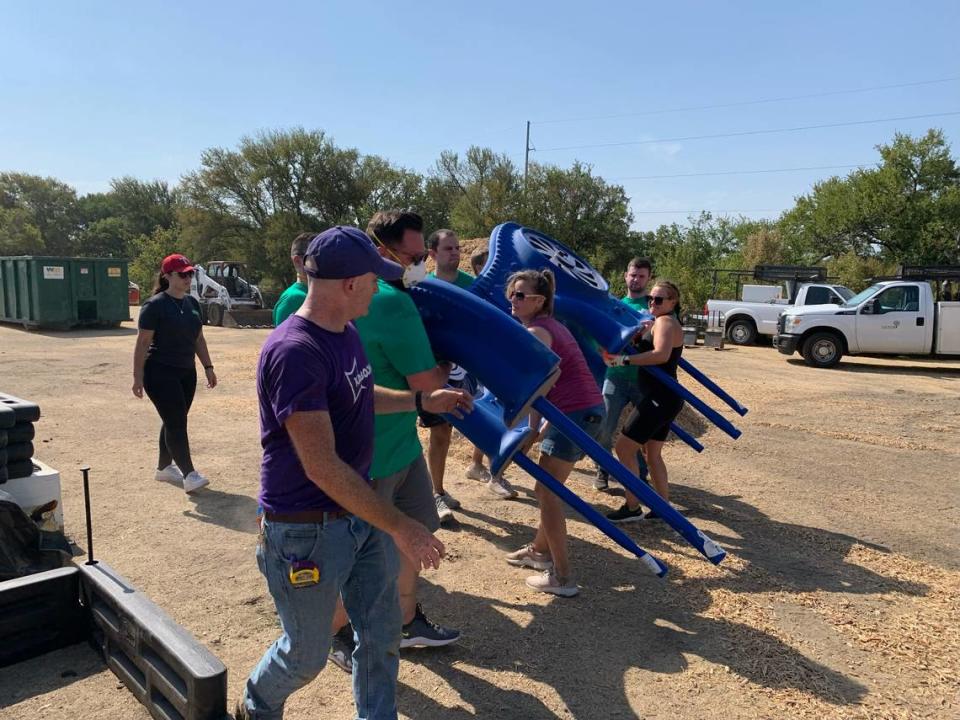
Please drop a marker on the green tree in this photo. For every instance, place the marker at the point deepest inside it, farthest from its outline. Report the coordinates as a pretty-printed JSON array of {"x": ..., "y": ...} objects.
[
  {"x": 18, "y": 234},
  {"x": 906, "y": 210},
  {"x": 149, "y": 251},
  {"x": 51, "y": 208},
  {"x": 487, "y": 189}
]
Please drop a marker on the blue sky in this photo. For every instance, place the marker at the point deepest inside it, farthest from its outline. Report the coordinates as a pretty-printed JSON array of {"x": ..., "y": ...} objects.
[{"x": 96, "y": 90}]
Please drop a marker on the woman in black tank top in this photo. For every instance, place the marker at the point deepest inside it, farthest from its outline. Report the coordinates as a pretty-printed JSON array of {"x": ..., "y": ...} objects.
[{"x": 649, "y": 423}]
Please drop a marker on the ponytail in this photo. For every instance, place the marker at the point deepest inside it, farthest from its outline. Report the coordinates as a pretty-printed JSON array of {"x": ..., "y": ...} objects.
[{"x": 160, "y": 284}]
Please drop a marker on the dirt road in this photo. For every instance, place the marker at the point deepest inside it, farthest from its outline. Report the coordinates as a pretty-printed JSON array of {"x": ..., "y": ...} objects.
[{"x": 839, "y": 506}]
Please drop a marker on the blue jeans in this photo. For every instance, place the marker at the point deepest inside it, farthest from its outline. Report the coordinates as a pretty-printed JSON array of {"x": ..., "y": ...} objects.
[
  {"x": 357, "y": 562},
  {"x": 617, "y": 392}
]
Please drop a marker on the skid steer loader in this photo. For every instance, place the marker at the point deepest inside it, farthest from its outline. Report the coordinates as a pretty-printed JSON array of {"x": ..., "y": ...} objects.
[{"x": 226, "y": 298}]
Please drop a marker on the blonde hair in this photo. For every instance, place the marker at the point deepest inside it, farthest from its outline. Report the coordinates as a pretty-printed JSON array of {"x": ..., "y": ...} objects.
[{"x": 544, "y": 283}]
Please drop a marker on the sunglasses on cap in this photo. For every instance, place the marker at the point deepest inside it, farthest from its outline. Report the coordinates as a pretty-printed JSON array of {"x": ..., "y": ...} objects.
[
  {"x": 520, "y": 296},
  {"x": 185, "y": 275}
]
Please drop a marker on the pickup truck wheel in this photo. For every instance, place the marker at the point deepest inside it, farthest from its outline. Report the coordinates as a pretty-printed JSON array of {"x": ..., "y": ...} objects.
[
  {"x": 742, "y": 332},
  {"x": 822, "y": 350}
]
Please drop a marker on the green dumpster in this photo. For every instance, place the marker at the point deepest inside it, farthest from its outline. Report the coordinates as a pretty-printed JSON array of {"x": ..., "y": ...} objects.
[{"x": 63, "y": 292}]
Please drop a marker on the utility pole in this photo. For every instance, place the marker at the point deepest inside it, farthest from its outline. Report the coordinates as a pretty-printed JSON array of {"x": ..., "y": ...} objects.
[{"x": 526, "y": 160}]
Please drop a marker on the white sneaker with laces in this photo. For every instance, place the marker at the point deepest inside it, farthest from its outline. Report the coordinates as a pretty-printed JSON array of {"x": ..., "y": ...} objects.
[
  {"x": 501, "y": 488},
  {"x": 450, "y": 500},
  {"x": 549, "y": 582},
  {"x": 478, "y": 472},
  {"x": 194, "y": 481},
  {"x": 171, "y": 474},
  {"x": 443, "y": 510}
]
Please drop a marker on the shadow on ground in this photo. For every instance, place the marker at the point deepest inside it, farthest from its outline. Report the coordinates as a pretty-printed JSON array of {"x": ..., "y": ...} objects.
[{"x": 627, "y": 620}]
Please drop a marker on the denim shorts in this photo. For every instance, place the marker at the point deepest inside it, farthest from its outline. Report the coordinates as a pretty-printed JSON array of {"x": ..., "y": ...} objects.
[{"x": 557, "y": 445}]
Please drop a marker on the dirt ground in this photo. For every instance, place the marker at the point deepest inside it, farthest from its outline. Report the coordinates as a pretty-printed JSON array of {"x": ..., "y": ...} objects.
[{"x": 839, "y": 507}]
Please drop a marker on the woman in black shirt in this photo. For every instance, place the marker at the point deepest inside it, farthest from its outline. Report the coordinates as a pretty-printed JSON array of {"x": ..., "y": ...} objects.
[{"x": 170, "y": 334}]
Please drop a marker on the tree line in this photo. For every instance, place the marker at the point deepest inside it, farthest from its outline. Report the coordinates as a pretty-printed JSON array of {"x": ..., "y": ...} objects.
[{"x": 248, "y": 202}]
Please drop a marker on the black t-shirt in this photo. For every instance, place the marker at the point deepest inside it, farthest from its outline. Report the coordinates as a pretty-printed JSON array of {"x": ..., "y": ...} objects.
[{"x": 176, "y": 326}]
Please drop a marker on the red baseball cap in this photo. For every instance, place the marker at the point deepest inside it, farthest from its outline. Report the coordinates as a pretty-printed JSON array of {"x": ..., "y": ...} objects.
[{"x": 175, "y": 263}]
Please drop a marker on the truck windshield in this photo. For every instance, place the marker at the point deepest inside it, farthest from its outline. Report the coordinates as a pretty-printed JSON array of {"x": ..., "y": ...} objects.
[
  {"x": 844, "y": 292},
  {"x": 861, "y": 296}
]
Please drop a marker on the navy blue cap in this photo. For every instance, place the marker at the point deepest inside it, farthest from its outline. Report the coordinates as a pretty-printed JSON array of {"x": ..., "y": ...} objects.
[{"x": 344, "y": 252}]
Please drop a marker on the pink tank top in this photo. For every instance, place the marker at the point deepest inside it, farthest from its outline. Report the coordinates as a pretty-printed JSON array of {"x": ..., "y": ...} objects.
[{"x": 576, "y": 388}]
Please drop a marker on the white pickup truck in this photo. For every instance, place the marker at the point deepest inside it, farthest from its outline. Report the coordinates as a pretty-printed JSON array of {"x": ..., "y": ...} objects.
[
  {"x": 896, "y": 317},
  {"x": 745, "y": 320}
]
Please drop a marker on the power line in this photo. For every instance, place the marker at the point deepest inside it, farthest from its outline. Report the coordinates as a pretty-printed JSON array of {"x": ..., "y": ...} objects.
[
  {"x": 714, "y": 212},
  {"x": 751, "y": 132},
  {"x": 745, "y": 103},
  {"x": 740, "y": 172}
]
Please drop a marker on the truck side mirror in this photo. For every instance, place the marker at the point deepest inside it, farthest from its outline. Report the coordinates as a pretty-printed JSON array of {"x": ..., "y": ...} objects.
[{"x": 869, "y": 308}]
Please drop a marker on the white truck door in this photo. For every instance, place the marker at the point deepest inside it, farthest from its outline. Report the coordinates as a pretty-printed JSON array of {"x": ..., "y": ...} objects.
[{"x": 889, "y": 323}]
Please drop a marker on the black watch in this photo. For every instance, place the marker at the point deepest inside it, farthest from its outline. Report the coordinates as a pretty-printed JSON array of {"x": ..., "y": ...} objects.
[
  {"x": 418, "y": 400},
  {"x": 208, "y": 367}
]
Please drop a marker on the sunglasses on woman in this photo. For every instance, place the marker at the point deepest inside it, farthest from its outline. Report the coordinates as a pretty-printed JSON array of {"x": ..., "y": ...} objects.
[
  {"x": 658, "y": 299},
  {"x": 520, "y": 296},
  {"x": 185, "y": 275}
]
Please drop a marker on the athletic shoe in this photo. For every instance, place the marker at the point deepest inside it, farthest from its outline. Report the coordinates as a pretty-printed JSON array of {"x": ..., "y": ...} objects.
[
  {"x": 548, "y": 582},
  {"x": 651, "y": 515},
  {"x": 478, "y": 472},
  {"x": 624, "y": 514},
  {"x": 194, "y": 481},
  {"x": 501, "y": 488},
  {"x": 601, "y": 481},
  {"x": 443, "y": 510},
  {"x": 450, "y": 500},
  {"x": 171, "y": 474},
  {"x": 421, "y": 632},
  {"x": 341, "y": 649},
  {"x": 528, "y": 557}
]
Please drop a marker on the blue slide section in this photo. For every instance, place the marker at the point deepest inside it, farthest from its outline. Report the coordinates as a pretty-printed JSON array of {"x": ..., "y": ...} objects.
[{"x": 713, "y": 552}]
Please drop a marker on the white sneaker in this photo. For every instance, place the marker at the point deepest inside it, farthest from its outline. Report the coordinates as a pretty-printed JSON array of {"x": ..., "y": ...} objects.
[
  {"x": 478, "y": 472},
  {"x": 501, "y": 488},
  {"x": 171, "y": 474},
  {"x": 450, "y": 500},
  {"x": 194, "y": 481},
  {"x": 443, "y": 510}
]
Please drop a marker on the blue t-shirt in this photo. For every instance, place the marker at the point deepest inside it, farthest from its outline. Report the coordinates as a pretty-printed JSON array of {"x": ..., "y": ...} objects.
[{"x": 304, "y": 368}]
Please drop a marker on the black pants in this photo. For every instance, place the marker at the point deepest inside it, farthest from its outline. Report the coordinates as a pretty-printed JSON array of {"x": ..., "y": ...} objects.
[{"x": 171, "y": 390}]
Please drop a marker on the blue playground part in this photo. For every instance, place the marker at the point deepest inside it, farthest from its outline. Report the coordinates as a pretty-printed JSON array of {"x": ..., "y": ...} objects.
[
  {"x": 713, "y": 552},
  {"x": 590, "y": 513},
  {"x": 686, "y": 437},
  {"x": 583, "y": 303},
  {"x": 712, "y": 387},
  {"x": 583, "y": 296},
  {"x": 485, "y": 429},
  {"x": 496, "y": 349}
]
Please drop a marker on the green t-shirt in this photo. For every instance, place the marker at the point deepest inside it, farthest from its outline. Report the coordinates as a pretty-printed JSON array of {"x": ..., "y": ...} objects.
[
  {"x": 396, "y": 345},
  {"x": 464, "y": 280},
  {"x": 629, "y": 373},
  {"x": 289, "y": 302}
]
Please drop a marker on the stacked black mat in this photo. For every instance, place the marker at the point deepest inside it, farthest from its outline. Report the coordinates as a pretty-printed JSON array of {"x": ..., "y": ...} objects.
[{"x": 16, "y": 436}]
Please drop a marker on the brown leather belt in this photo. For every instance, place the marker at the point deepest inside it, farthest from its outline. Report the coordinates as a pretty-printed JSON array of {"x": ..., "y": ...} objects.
[{"x": 306, "y": 516}]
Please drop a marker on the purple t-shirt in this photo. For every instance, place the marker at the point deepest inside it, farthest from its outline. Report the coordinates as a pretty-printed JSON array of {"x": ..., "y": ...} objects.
[{"x": 304, "y": 368}]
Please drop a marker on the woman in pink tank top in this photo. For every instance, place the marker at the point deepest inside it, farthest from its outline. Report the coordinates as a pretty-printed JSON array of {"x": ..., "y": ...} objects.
[{"x": 576, "y": 394}]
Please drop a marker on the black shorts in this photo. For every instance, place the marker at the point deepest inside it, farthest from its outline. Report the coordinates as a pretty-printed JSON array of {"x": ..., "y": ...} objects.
[
  {"x": 650, "y": 420},
  {"x": 429, "y": 420}
]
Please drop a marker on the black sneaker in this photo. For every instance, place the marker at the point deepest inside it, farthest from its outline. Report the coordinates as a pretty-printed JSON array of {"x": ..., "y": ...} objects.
[
  {"x": 602, "y": 481},
  {"x": 651, "y": 515},
  {"x": 624, "y": 514},
  {"x": 341, "y": 649},
  {"x": 421, "y": 632}
]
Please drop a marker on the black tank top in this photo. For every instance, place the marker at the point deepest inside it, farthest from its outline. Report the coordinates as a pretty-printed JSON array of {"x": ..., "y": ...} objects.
[{"x": 648, "y": 384}]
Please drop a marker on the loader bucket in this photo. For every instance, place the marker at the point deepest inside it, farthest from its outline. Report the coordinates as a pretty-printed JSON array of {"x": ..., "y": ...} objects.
[{"x": 244, "y": 318}]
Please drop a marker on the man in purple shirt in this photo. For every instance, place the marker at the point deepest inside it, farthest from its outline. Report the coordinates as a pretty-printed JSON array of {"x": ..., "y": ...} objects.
[{"x": 325, "y": 532}]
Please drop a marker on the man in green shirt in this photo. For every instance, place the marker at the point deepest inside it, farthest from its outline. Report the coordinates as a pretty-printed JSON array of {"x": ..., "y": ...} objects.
[
  {"x": 399, "y": 352},
  {"x": 444, "y": 248},
  {"x": 292, "y": 298},
  {"x": 620, "y": 385}
]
